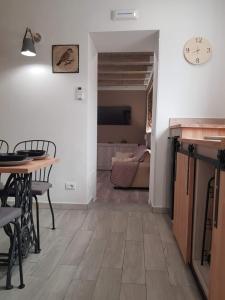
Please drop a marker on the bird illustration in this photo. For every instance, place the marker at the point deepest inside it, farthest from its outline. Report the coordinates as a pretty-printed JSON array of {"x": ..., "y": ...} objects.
[{"x": 66, "y": 57}]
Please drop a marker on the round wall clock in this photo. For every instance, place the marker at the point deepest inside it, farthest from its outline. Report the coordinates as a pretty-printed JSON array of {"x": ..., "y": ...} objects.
[{"x": 197, "y": 50}]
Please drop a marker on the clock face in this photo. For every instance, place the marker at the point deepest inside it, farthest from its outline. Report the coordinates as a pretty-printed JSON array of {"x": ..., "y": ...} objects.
[{"x": 197, "y": 50}]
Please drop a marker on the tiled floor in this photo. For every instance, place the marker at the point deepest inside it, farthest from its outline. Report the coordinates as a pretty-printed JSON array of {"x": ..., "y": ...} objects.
[
  {"x": 113, "y": 251},
  {"x": 107, "y": 194}
]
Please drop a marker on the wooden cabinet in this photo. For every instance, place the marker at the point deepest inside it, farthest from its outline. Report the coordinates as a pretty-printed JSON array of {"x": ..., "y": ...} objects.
[
  {"x": 199, "y": 209},
  {"x": 192, "y": 178},
  {"x": 217, "y": 267},
  {"x": 183, "y": 202}
]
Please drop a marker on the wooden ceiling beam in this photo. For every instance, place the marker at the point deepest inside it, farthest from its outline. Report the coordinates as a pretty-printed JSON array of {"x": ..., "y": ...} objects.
[
  {"x": 124, "y": 68},
  {"x": 125, "y": 63},
  {"x": 123, "y": 82},
  {"x": 123, "y": 76},
  {"x": 123, "y": 79},
  {"x": 126, "y": 55},
  {"x": 124, "y": 72}
]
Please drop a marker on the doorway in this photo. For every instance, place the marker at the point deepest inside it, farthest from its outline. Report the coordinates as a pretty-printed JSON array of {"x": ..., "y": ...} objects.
[{"x": 105, "y": 46}]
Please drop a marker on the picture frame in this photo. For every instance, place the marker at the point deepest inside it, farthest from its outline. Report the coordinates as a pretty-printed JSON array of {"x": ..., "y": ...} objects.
[{"x": 65, "y": 58}]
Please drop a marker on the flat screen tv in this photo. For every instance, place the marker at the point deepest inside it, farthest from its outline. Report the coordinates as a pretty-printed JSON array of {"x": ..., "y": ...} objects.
[{"x": 114, "y": 115}]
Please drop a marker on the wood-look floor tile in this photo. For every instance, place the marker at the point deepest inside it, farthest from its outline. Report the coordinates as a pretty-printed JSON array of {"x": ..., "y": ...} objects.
[
  {"x": 49, "y": 239},
  {"x": 164, "y": 228},
  {"x": 71, "y": 221},
  {"x": 188, "y": 293},
  {"x": 48, "y": 262},
  {"x": 179, "y": 273},
  {"x": 134, "y": 228},
  {"x": 56, "y": 286},
  {"x": 114, "y": 252},
  {"x": 133, "y": 267},
  {"x": 119, "y": 222},
  {"x": 32, "y": 287},
  {"x": 108, "y": 284},
  {"x": 76, "y": 248},
  {"x": 154, "y": 254},
  {"x": 107, "y": 194},
  {"x": 80, "y": 290},
  {"x": 92, "y": 219},
  {"x": 149, "y": 224},
  {"x": 28, "y": 269},
  {"x": 132, "y": 292},
  {"x": 45, "y": 217},
  {"x": 158, "y": 286},
  {"x": 103, "y": 227},
  {"x": 92, "y": 260}
]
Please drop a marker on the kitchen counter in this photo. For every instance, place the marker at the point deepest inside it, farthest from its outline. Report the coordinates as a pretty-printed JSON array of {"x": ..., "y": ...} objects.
[
  {"x": 198, "y": 128},
  {"x": 197, "y": 122},
  {"x": 217, "y": 144}
]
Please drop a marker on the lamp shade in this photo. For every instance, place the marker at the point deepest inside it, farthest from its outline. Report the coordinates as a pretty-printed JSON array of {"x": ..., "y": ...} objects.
[{"x": 28, "y": 48}]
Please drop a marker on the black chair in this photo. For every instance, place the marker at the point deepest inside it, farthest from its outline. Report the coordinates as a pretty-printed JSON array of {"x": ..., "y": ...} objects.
[
  {"x": 10, "y": 215},
  {"x": 40, "y": 180},
  {"x": 4, "y": 146}
]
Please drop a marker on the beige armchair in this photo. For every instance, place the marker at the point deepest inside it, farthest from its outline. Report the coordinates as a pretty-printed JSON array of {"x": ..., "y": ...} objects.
[{"x": 141, "y": 178}]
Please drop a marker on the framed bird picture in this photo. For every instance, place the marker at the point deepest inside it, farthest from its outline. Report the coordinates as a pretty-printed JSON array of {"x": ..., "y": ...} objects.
[{"x": 65, "y": 58}]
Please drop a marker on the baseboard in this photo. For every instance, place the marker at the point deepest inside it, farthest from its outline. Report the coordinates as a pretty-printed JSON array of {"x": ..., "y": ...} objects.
[
  {"x": 64, "y": 206},
  {"x": 160, "y": 210}
]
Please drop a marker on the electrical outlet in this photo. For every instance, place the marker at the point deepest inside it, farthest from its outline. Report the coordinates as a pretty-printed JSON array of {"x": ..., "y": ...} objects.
[{"x": 70, "y": 185}]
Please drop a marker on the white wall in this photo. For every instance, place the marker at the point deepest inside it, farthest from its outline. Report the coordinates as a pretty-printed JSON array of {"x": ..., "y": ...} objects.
[
  {"x": 92, "y": 121},
  {"x": 35, "y": 102}
]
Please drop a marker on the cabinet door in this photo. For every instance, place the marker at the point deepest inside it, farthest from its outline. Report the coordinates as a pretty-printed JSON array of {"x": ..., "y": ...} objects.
[
  {"x": 183, "y": 202},
  {"x": 217, "y": 268}
]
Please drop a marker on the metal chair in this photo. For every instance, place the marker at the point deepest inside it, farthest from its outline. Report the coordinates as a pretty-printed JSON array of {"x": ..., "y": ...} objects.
[
  {"x": 40, "y": 179},
  {"x": 4, "y": 148},
  {"x": 10, "y": 215}
]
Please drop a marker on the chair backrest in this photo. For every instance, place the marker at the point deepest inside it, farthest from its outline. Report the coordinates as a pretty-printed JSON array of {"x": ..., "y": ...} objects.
[
  {"x": 48, "y": 146},
  {"x": 4, "y": 146}
]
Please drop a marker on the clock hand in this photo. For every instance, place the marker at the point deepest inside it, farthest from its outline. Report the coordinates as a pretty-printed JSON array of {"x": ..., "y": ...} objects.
[{"x": 196, "y": 51}]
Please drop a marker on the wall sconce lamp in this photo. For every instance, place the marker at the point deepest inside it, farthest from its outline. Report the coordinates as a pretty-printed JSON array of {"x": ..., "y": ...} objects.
[{"x": 29, "y": 40}]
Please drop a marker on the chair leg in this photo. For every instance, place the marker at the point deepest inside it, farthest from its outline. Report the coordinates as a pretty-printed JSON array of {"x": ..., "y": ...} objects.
[
  {"x": 9, "y": 285},
  {"x": 52, "y": 212},
  {"x": 18, "y": 233},
  {"x": 38, "y": 225}
]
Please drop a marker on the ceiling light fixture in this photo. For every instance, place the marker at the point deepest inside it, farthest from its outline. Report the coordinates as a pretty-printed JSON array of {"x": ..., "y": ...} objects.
[{"x": 29, "y": 40}]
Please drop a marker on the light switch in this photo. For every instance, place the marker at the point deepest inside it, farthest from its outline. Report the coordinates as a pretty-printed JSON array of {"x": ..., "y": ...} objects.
[{"x": 79, "y": 93}]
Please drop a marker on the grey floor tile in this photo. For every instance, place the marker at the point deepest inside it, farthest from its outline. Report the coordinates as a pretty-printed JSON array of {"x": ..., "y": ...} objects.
[
  {"x": 114, "y": 252},
  {"x": 133, "y": 292},
  {"x": 133, "y": 267},
  {"x": 159, "y": 286},
  {"x": 92, "y": 260},
  {"x": 108, "y": 284},
  {"x": 154, "y": 254},
  {"x": 80, "y": 290},
  {"x": 77, "y": 247}
]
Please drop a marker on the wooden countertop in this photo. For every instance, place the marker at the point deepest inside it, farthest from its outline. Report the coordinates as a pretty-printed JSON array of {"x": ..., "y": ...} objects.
[
  {"x": 197, "y": 123},
  {"x": 219, "y": 126},
  {"x": 218, "y": 144},
  {"x": 29, "y": 167}
]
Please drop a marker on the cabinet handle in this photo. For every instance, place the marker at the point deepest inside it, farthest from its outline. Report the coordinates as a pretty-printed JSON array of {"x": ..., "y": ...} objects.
[
  {"x": 217, "y": 194},
  {"x": 190, "y": 153},
  {"x": 188, "y": 171}
]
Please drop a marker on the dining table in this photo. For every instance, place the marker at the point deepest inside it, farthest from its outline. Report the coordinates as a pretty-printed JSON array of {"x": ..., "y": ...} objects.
[{"x": 19, "y": 181}]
